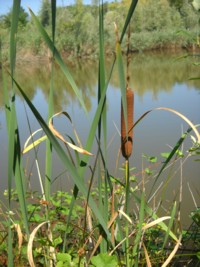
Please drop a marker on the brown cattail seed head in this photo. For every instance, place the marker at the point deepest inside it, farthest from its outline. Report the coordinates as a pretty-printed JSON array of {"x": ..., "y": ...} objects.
[{"x": 127, "y": 136}]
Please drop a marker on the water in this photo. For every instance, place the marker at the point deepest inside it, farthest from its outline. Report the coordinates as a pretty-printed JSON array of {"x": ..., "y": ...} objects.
[{"x": 158, "y": 80}]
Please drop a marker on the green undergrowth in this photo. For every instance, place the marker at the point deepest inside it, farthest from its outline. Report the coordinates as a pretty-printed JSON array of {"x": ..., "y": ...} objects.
[{"x": 80, "y": 242}]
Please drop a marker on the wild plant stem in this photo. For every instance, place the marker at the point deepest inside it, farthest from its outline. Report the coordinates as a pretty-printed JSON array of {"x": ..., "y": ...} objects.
[{"x": 127, "y": 210}]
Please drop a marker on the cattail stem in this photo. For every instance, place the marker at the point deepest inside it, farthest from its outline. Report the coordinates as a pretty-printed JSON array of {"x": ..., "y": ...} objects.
[{"x": 127, "y": 132}]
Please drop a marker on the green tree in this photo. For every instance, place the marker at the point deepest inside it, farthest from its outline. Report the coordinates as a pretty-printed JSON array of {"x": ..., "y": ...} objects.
[
  {"x": 6, "y": 19},
  {"x": 45, "y": 12}
]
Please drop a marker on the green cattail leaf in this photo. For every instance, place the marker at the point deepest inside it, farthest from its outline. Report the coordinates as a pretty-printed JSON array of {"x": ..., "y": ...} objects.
[
  {"x": 58, "y": 58},
  {"x": 13, "y": 33},
  {"x": 128, "y": 18}
]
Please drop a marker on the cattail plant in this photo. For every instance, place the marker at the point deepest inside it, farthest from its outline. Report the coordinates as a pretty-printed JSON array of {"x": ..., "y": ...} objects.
[
  {"x": 127, "y": 123},
  {"x": 127, "y": 132}
]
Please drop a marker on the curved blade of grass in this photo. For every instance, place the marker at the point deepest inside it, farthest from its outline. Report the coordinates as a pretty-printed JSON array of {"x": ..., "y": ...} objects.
[
  {"x": 30, "y": 244},
  {"x": 58, "y": 58},
  {"x": 153, "y": 223},
  {"x": 194, "y": 128},
  {"x": 34, "y": 144},
  {"x": 26, "y": 147},
  {"x": 57, "y": 134},
  {"x": 71, "y": 168},
  {"x": 172, "y": 254}
]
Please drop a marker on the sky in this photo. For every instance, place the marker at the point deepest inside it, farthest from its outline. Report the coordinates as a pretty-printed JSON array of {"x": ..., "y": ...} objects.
[{"x": 35, "y": 5}]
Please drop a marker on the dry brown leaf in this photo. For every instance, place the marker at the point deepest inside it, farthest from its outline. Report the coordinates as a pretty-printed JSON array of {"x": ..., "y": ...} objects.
[
  {"x": 20, "y": 236},
  {"x": 125, "y": 215},
  {"x": 30, "y": 244},
  {"x": 172, "y": 254},
  {"x": 58, "y": 135},
  {"x": 157, "y": 221},
  {"x": 146, "y": 256}
]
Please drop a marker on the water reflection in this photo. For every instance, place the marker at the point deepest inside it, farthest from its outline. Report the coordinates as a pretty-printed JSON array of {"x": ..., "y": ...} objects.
[{"x": 149, "y": 73}]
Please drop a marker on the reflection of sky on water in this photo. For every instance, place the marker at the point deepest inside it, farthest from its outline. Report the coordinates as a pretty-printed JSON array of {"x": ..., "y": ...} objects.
[{"x": 153, "y": 135}]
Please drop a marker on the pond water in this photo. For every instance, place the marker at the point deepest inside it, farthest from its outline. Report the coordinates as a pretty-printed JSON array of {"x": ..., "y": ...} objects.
[{"x": 158, "y": 80}]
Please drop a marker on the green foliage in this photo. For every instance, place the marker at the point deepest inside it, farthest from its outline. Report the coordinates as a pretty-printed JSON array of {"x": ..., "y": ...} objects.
[
  {"x": 154, "y": 25},
  {"x": 5, "y": 20},
  {"x": 177, "y": 3}
]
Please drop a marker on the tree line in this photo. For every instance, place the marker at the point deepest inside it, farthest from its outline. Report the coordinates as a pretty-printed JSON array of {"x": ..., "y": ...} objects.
[{"x": 155, "y": 24}]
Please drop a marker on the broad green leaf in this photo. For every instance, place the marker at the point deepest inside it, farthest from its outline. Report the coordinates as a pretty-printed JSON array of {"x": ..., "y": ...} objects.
[
  {"x": 64, "y": 257},
  {"x": 104, "y": 260},
  {"x": 148, "y": 171},
  {"x": 165, "y": 154}
]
